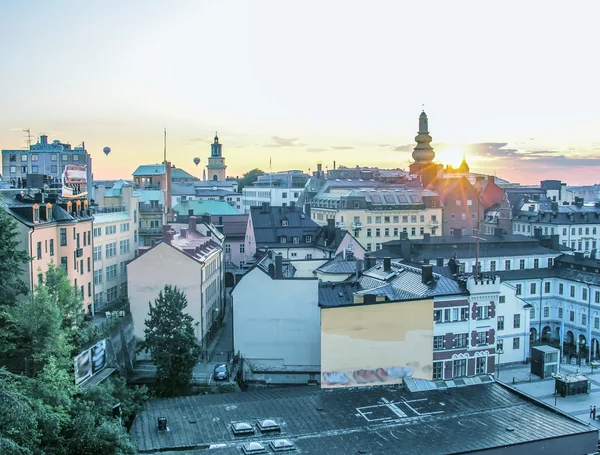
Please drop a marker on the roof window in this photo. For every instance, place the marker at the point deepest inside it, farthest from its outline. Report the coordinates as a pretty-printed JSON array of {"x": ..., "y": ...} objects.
[
  {"x": 242, "y": 428},
  {"x": 268, "y": 425},
  {"x": 282, "y": 445},
  {"x": 284, "y": 222},
  {"x": 253, "y": 447}
]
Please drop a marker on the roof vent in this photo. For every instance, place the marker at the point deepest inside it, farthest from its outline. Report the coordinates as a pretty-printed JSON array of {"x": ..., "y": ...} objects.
[
  {"x": 253, "y": 447},
  {"x": 242, "y": 428},
  {"x": 162, "y": 424},
  {"x": 281, "y": 445},
  {"x": 268, "y": 425}
]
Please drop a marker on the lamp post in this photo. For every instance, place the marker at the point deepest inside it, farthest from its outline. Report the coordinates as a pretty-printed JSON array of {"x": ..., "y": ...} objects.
[{"x": 499, "y": 352}]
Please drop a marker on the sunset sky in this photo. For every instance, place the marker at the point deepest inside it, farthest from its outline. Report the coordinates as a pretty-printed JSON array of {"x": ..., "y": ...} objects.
[{"x": 514, "y": 84}]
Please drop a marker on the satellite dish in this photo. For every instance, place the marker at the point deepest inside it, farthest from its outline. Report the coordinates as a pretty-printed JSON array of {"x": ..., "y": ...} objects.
[
  {"x": 197, "y": 161},
  {"x": 106, "y": 150}
]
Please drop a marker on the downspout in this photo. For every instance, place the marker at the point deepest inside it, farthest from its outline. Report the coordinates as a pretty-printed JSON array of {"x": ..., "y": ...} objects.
[
  {"x": 540, "y": 315},
  {"x": 31, "y": 255},
  {"x": 589, "y": 324},
  {"x": 202, "y": 354}
]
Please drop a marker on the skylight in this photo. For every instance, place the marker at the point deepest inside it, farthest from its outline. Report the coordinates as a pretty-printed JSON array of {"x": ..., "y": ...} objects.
[
  {"x": 242, "y": 428},
  {"x": 268, "y": 425},
  {"x": 253, "y": 447},
  {"x": 282, "y": 445}
]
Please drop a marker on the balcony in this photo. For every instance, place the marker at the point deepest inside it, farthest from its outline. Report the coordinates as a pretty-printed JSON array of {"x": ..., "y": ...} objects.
[
  {"x": 150, "y": 231},
  {"x": 357, "y": 225},
  {"x": 107, "y": 209},
  {"x": 151, "y": 208},
  {"x": 434, "y": 223}
]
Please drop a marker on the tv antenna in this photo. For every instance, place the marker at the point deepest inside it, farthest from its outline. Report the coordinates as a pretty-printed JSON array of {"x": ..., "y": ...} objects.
[{"x": 28, "y": 136}]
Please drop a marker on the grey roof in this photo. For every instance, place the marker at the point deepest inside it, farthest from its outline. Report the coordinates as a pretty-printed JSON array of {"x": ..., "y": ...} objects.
[
  {"x": 401, "y": 282},
  {"x": 564, "y": 214},
  {"x": 337, "y": 265},
  {"x": 149, "y": 169},
  {"x": 373, "y": 420},
  {"x": 566, "y": 267}
]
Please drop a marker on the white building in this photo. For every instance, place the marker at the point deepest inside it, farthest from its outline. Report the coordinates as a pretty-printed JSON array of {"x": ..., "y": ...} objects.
[
  {"x": 115, "y": 241},
  {"x": 281, "y": 197},
  {"x": 189, "y": 260},
  {"x": 277, "y": 321}
]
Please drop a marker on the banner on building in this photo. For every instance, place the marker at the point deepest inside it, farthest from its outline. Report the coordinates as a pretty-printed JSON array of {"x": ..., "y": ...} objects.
[
  {"x": 74, "y": 181},
  {"x": 90, "y": 362}
]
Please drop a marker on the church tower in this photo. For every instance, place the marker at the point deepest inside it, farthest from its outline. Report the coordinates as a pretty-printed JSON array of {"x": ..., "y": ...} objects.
[
  {"x": 423, "y": 154},
  {"x": 216, "y": 169}
]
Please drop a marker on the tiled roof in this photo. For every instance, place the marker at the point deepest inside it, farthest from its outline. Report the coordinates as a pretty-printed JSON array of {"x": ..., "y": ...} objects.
[
  {"x": 376, "y": 420},
  {"x": 200, "y": 207},
  {"x": 149, "y": 169}
]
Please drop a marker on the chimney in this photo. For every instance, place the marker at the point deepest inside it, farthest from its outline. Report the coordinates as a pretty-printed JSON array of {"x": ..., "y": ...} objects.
[
  {"x": 265, "y": 207},
  {"x": 334, "y": 165},
  {"x": 278, "y": 266},
  {"x": 492, "y": 178},
  {"x": 537, "y": 233},
  {"x": 370, "y": 262},
  {"x": 426, "y": 236},
  {"x": 162, "y": 424},
  {"x": 168, "y": 236},
  {"x": 555, "y": 242},
  {"x": 206, "y": 218},
  {"x": 292, "y": 206},
  {"x": 458, "y": 233},
  {"x": 44, "y": 139},
  {"x": 183, "y": 232},
  {"x": 452, "y": 266},
  {"x": 498, "y": 231},
  {"x": 579, "y": 255},
  {"x": 190, "y": 212},
  {"x": 307, "y": 210},
  {"x": 554, "y": 206},
  {"x": 403, "y": 235},
  {"x": 359, "y": 266},
  {"x": 427, "y": 273},
  {"x": 439, "y": 262},
  {"x": 165, "y": 229},
  {"x": 330, "y": 230},
  {"x": 319, "y": 169},
  {"x": 192, "y": 223},
  {"x": 387, "y": 264}
]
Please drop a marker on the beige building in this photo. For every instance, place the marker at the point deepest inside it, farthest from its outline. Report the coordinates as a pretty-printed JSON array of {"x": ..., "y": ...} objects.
[
  {"x": 189, "y": 260},
  {"x": 54, "y": 231},
  {"x": 378, "y": 216},
  {"x": 115, "y": 242}
]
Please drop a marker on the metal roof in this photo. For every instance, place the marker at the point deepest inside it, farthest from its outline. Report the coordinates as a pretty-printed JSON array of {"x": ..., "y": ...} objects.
[
  {"x": 113, "y": 217},
  {"x": 201, "y": 207},
  {"x": 376, "y": 420},
  {"x": 149, "y": 169}
]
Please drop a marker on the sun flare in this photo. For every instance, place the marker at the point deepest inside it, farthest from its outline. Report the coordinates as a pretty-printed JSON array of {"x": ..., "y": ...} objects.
[{"x": 452, "y": 156}]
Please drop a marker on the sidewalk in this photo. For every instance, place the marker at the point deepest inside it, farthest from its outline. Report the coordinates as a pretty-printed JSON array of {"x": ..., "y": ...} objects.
[{"x": 578, "y": 406}]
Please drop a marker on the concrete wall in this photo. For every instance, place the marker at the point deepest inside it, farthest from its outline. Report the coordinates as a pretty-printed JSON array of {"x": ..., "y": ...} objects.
[{"x": 279, "y": 332}]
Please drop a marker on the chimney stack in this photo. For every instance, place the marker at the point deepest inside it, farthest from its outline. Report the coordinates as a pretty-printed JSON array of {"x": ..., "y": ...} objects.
[
  {"x": 162, "y": 424},
  {"x": 359, "y": 266},
  {"x": 330, "y": 230},
  {"x": 192, "y": 223},
  {"x": 278, "y": 266},
  {"x": 387, "y": 264},
  {"x": 370, "y": 262},
  {"x": 190, "y": 212},
  {"x": 439, "y": 262},
  {"x": 427, "y": 273},
  {"x": 426, "y": 237},
  {"x": 183, "y": 232},
  {"x": 206, "y": 218}
]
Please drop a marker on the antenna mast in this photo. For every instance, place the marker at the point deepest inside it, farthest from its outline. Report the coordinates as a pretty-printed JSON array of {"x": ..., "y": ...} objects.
[
  {"x": 165, "y": 149},
  {"x": 28, "y": 131}
]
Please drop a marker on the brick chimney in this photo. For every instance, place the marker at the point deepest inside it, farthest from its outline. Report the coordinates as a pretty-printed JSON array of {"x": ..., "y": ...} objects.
[{"x": 192, "y": 223}]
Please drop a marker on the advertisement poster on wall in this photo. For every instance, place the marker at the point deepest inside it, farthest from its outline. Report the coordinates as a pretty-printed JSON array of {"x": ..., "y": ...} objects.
[
  {"x": 98, "y": 353},
  {"x": 90, "y": 362},
  {"x": 377, "y": 344}
]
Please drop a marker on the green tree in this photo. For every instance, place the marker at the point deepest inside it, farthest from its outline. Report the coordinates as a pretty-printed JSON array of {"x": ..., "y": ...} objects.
[
  {"x": 12, "y": 259},
  {"x": 249, "y": 178},
  {"x": 169, "y": 336},
  {"x": 67, "y": 297}
]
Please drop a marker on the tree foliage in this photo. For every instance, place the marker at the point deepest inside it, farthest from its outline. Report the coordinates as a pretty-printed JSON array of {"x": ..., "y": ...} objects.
[
  {"x": 169, "y": 336},
  {"x": 12, "y": 260},
  {"x": 249, "y": 178}
]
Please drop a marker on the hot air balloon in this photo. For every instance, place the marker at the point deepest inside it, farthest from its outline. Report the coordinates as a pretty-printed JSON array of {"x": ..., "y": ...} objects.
[
  {"x": 106, "y": 150},
  {"x": 197, "y": 161}
]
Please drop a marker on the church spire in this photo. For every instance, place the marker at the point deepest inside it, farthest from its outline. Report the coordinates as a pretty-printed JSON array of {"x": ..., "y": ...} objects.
[{"x": 423, "y": 152}]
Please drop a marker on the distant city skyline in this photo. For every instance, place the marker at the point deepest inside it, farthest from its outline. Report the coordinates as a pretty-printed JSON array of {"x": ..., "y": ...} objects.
[{"x": 512, "y": 86}]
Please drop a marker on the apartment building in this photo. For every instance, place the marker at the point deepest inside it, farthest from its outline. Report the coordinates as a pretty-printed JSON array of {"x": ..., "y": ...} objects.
[
  {"x": 195, "y": 267},
  {"x": 115, "y": 242},
  {"x": 279, "y": 189},
  {"x": 377, "y": 216},
  {"x": 192, "y": 190},
  {"x": 54, "y": 231}
]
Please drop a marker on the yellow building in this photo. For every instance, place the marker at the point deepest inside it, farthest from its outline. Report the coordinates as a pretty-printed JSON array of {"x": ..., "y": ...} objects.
[{"x": 52, "y": 231}]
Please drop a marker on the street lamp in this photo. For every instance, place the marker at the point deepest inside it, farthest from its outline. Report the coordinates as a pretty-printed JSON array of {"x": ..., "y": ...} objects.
[{"x": 499, "y": 352}]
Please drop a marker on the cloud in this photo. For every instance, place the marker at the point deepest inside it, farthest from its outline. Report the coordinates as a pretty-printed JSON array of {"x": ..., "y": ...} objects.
[
  {"x": 385, "y": 145},
  {"x": 494, "y": 150},
  {"x": 404, "y": 148},
  {"x": 201, "y": 139},
  {"x": 342, "y": 147},
  {"x": 283, "y": 142},
  {"x": 316, "y": 150}
]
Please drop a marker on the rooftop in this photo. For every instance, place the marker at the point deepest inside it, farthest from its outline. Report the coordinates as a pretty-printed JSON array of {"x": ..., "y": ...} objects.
[
  {"x": 114, "y": 217},
  {"x": 368, "y": 420},
  {"x": 200, "y": 207},
  {"x": 149, "y": 169}
]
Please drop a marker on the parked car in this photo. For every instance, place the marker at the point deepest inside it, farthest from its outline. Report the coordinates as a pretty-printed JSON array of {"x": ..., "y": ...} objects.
[{"x": 220, "y": 373}]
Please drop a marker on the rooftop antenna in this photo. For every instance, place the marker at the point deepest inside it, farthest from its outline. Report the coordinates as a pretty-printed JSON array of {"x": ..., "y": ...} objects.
[
  {"x": 28, "y": 136},
  {"x": 165, "y": 150}
]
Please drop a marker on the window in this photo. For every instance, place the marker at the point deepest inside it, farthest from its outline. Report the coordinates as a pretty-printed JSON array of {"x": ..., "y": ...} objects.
[
  {"x": 437, "y": 315},
  {"x": 368, "y": 247},
  {"x": 453, "y": 216},
  {"x": 65, "y": 157},
  {"x": 459, "y": 368},
  {"x": 516, "y": 343},
  {"x": 461, "y": 340},
  {"x": 112, "y": 294},
  {"x": 438, "y": 342},
  {"x": 517, "y": 321},
  {"x": 377, "y": 219},
  {"x": 97, "y": 253},
  {"x": 368, "y": 232},
  {"x": 98, "y": 276},
  {"x": 124, "y": 227},
  {"x": 369, "y": 219},
  {"x": 454, "y": 314},
  {"x": 123, "y": 267},
  {"x": 464, "y": 314},
  {"x": 63, "y": 236},
  {"x": 532, "y": 313},
  {"x": 458, "y": 202},
  {"x": 111, "y": 250},
  {"x": 463, "y": 216},
  {"x": 386, "y": 232},
  {"x": 124, "y": 246},
  {"x": 573, "y": 291},
  {"x": 597, "y": 323},
  {"x": 500, "y": 345},
  {"x": 296, "y": 240},
  {"x": 500, "y": 321},
  {"x": 547, "y": 287},
  {"x": 560, "y": 313},
  {"x": 89, "y": 264},
  {"x": 89, "y": 289},
  {"x": 413, "y": 218},
  {"x": 396, "y": 219},
  {"x": 507, "y": 265},
  {"x": 39, "y": 250},
  {"x": 377, "y": 232},
  {"x": 447, "y": 315},
  {"x": 584, "y": 294},
  {"x": 405, "y": 218},
  {"x": 63, "y": 263},
  {"x": 502, "y": 299},
  {"x": 438, "y": 370},
  {"x": 242, "y": 248},
  {"x": 75, "y": 157},
  {"x": 546, "y": 312},
  {"x": 386, "y": 219},
  {"x": 561, "y": 288},
  {"x": 413, "y": 231},
  {"x": 480, "y": 365},
  {"x": 583, "y": 319},
  {"x": 536, "y": 263},
  {"x": 571, "y": 316},
  {"x": 518, "y": 289},
  {"x": 308, "y": 256},
  {"x": 284, "y": 195},
  {"x": 97, "y": 232},
  {"x": 108, "y": 230},
  {"x": 51, "y": 247},
  {"x": 522, "y": 264},
  {"x": 111, "y": 272},
  {"x": 482, "y": 338},
  {"x": 532, "y": 288},
  {"x": 492, "y": 266},
  {"x": 596, "y": 294},
  {"x": 282, "y": 239},
  {"x": 395, "y": 232},
  {"x": 308, "y": 239}
]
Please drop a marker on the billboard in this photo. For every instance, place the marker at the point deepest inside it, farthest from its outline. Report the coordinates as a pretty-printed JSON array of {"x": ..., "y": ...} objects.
[
  {"x": 376, "y": 344},
  {"x": 90, "y": 362},
  {"x": 74, "y": 181}
]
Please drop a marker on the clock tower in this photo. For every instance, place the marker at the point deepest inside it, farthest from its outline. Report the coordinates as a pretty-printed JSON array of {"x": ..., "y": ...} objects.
[{"x": 216, "y": 169}]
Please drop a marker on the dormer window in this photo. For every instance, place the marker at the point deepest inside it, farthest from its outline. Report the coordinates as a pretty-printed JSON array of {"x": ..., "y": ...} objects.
[
  {"x": 284, "y": 222},
  {"x": 296, "y": 240},
  {"x": 308, "y": 238},
  {"x": 49, "y": 212},
  {"x": 282, "y": 239},
  {"x": 36, "y": 213}
]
